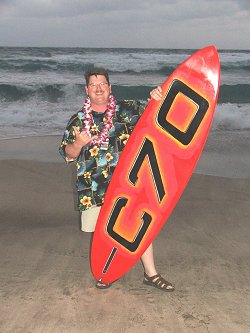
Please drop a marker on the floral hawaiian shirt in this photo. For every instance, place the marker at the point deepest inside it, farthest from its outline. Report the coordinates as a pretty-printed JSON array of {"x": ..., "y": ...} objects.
[{"x": 95, "y": 166}]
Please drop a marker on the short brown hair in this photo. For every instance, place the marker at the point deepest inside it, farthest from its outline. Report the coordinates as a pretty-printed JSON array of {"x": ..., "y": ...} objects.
[{"x": 96, "y": 71}]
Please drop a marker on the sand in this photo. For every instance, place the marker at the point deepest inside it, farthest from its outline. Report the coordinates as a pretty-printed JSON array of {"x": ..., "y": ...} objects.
[{"x": 45, "y": 281}]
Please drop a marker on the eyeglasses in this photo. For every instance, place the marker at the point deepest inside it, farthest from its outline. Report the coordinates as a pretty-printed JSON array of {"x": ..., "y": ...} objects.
[{"x": 95, "y": 85}]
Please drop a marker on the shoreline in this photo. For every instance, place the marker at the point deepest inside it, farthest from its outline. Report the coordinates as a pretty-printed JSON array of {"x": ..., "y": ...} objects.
[{"x": 230, "y": 161}]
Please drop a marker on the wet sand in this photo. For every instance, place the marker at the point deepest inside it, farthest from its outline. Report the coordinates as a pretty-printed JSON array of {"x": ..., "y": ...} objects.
[{"x": 45, "y": 281}]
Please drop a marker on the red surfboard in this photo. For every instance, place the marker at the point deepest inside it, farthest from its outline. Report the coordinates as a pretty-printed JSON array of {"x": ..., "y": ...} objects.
[{"x": 155, "y": 166}]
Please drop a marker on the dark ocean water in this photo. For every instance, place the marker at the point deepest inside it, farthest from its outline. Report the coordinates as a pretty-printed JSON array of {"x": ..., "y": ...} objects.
[{"x": 40, "y": 88}]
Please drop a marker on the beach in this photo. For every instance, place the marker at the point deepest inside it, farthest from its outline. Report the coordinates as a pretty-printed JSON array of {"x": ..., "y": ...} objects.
[{"x": 46, "y": 282}]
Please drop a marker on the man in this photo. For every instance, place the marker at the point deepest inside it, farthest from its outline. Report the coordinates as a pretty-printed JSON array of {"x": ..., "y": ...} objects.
[{"x": 94, "y": 138}]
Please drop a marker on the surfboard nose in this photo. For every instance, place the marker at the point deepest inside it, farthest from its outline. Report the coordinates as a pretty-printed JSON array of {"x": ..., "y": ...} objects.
[{"x": 206, "y": 62}]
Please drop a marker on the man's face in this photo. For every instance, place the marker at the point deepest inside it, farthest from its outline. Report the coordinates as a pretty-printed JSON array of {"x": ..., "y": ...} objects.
[{"x": 98, "y": 90}]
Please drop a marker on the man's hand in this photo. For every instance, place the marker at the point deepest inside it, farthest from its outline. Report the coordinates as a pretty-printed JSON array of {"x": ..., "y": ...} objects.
[
  {"x": 82, "y": 138},
  {"x": 156, "y": 93}
]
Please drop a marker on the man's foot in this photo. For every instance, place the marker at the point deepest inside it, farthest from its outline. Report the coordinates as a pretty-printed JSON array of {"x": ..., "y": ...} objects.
[
  {"x": 157, "y": 281},
  {"x": 101, "y": 285}
]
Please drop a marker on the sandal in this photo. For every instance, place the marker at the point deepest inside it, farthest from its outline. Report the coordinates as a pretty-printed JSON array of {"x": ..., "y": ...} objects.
[
  {"x": 100, "y": 285},
  {"x": 158, "y": 281}
]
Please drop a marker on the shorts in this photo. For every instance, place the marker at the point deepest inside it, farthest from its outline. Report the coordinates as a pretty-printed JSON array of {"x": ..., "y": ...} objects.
[{"x": 89, "y": 218}]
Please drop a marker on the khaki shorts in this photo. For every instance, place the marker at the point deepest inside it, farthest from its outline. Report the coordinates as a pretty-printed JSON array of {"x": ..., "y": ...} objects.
[{"x": 89, "y": 218}]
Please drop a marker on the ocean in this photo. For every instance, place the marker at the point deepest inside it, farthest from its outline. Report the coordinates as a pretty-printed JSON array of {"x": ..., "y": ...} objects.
[{"x": 40, "y": 88}]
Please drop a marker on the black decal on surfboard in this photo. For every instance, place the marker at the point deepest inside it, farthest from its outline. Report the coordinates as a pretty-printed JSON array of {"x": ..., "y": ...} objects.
[
  {"x": 202, "y": 107},
  {"x": 131, "y": 246},
  {"x": 147, "y": 149},
  {"x": 110, "y": 258}
]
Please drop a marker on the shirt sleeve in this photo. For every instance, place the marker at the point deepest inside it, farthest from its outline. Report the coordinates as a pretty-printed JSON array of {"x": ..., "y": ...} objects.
[
  {"x": 128, "y": 109},
  {"x": 69, "y": 136},
  {"x": 130, "y": 112}
]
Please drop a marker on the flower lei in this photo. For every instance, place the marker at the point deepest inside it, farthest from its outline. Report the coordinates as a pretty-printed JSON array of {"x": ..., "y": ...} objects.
[{"x": 88, "y": 120}]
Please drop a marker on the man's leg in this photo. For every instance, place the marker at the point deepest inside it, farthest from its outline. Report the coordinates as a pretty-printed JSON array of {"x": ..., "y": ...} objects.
[
  {"x": 151, "y": 277},
  {"x": 148, "y": 261}
]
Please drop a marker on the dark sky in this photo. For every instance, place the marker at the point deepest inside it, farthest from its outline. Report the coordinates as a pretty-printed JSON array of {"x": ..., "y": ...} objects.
[{"x": 130, "y": 23}]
